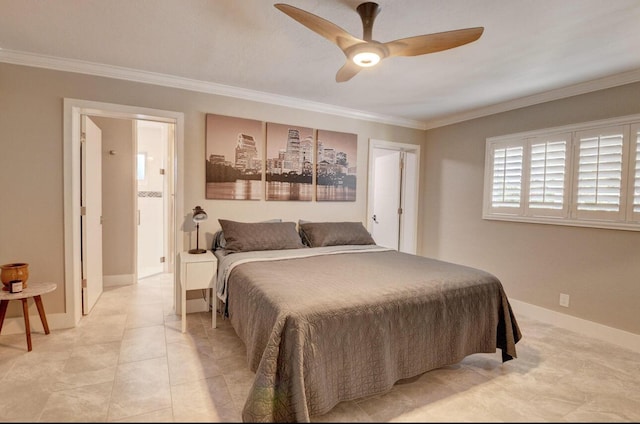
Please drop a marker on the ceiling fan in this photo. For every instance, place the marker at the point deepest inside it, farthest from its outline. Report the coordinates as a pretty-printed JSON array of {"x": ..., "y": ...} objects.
[{"x": 366, "y": 52}]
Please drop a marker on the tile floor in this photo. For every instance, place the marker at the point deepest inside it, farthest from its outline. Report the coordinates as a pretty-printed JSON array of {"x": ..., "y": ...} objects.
[{"x": 128, "y": 361}]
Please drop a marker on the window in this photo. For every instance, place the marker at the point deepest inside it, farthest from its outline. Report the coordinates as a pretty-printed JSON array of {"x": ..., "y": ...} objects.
[
  {"x": 141, "y": 162},
  {"x": 586, "y": 174},
  {"x": 507, "y": 177},
  {"x": 635, "y": 188},
  {"x": 599, "y": 178},
  {"x": 548, "y": 180}
]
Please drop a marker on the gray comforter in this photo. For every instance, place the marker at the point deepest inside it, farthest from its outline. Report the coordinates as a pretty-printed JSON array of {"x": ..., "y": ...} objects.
[{"x": 335, "y": 324}]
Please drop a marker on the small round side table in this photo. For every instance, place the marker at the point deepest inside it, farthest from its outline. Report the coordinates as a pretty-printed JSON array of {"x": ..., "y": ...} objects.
[{"x": 34, "y": 290}]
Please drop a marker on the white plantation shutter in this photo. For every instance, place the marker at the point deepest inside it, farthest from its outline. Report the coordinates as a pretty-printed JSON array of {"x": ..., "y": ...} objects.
[
  {"x": 635, "y": 169},
  {"x": 547, "y": 175},
  {"x": 507, "y": 177},
  {"x": 585, "y": 174},
  {"x": 599, "y": 177}
]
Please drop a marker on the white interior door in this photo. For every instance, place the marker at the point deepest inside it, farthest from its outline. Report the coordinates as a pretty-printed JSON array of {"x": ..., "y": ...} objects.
[
  {"x": 385, "y": 226},
  {"x": 152, "y": 151},
  {"x": 409, "y": 203},
  {"x": 91, "y": 220},
  {"x": 394, "y": 173}
]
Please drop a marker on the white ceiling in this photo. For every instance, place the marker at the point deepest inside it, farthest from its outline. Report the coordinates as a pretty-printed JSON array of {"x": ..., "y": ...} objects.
[{"x": 531, "y": 51}]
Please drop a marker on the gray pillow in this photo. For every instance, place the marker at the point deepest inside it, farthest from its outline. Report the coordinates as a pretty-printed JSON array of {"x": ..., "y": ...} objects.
[
  {"x": 318, "y": 234},
  {"x": 219, "y": 242},
  {"x": 251, "y": 236}
]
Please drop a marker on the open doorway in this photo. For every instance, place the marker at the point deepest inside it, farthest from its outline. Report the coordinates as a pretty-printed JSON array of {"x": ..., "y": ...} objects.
[
  {"x": 393, "y": 194},
  {"x": 154, "y": 188},
  {"x": 136, "y": 198},
  {"x": 74, "y": 111}
]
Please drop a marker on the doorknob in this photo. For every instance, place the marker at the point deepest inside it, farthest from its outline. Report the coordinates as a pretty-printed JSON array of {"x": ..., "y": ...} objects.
[{"x": 375, "y": 219}]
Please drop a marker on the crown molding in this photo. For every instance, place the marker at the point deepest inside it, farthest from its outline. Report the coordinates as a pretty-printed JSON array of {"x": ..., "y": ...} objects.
[
  {"x": 135, "y": 75},
  {"x": 547, "y": 96}
]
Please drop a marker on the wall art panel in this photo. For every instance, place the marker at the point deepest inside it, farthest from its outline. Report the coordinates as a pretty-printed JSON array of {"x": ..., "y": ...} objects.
[
  {"x": 234, "y": 158},
  {"x": 336, "y": 159},
  {"x": 289, "y": 164}
]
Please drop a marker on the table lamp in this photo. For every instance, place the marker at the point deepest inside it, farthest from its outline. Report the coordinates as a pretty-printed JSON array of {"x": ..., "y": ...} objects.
[{"x": 199, "y": 215}]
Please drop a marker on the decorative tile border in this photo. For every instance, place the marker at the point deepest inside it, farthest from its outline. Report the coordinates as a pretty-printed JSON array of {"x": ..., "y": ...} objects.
[{"x": 149, "y": 194}]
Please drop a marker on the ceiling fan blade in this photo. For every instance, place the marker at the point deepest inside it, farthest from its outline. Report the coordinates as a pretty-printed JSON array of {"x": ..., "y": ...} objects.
[
  {"x": 348, "y": 71},
  {"x": 431, "y": 43},
  {"x": 328, "y": 30}
]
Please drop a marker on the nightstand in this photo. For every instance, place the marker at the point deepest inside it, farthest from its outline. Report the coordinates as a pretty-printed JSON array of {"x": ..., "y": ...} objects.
[{"x": 197, "y": 271}]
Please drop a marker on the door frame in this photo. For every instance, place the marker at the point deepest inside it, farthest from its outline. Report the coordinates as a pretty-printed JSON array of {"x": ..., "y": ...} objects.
[
  {"x": 400, "y": 147},
  {"x": 73, "y": 108}
]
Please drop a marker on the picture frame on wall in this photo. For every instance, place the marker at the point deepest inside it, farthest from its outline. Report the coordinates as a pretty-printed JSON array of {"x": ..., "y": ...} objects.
[
  {"x": 289, "y": 162},
  {"x": 234, "y": 158},
  {"x": 336, "y": 166}
]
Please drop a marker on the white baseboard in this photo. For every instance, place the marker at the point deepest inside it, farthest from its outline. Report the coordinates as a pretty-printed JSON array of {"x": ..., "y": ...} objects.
[
  {"x": 118, "y": 280},
  {"x": 588, "y": 328},
  {"x": 55, "y": 322},
  {"x": 579, "y": 325}
]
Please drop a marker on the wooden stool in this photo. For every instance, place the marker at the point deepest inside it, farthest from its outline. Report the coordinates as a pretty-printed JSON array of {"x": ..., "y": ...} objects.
[{"x": 34, "y": 290}]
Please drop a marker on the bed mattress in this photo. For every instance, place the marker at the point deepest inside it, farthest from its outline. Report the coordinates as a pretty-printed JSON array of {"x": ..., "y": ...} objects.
[{"x": 330, "y": 324}]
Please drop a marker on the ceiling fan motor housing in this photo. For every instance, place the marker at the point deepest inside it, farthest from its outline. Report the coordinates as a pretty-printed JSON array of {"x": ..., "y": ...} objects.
[{"x": 368, "y": 12}]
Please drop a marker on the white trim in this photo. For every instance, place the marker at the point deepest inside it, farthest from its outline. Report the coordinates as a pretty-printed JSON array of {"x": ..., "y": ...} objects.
[
  {"x": 603, "y": 83},
  {"x": 91, "y": 68},
  {"x": 15, "y": 325},
  {"x": 610, "y": 225},
  {"x": 60, "y": 321},
  {"x": 580, "y": 126},
  {"x": 588, "y": 328},
  {"x": 128, "y": 74},
  {"x": 73, "y": 108},
  {"x": 617, "y": 221}
]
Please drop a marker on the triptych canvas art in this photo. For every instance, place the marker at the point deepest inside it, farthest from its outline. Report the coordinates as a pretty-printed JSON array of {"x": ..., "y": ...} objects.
[{"x": 296, "y": 161}]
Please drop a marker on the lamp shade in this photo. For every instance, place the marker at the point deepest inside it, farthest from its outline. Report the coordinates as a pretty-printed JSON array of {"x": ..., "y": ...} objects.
[{"x": 199, "y": 215}]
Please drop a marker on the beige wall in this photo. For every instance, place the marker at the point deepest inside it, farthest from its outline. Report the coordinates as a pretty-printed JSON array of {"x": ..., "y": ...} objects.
[
  {"x": 598, "y": 268},
  {"x": 31, "y": 161},
  {"x": 117, "y": 195}
]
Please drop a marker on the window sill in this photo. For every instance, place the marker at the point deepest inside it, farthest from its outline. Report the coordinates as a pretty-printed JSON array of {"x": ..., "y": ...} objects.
[{"x": 609, "y": 225}]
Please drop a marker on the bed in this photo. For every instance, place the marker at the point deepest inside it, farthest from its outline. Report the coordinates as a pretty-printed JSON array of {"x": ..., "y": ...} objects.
[{"x": 327, "y": 315}]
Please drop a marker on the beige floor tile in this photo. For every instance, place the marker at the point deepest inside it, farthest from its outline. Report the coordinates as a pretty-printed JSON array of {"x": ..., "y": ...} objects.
[
  {"x": 84, "y": 404},
  {"x": 190, "y": 361},
  {"x": 143, "y": 343},
  {"x": 203, "y": 401},
  {"x": 22, "y": 400},
  {"x": 145, "y": 315},
  {"x": 160, "y": 416},
  {"x": 128, "y": 361},
  {"x": 140, "y": 387}
]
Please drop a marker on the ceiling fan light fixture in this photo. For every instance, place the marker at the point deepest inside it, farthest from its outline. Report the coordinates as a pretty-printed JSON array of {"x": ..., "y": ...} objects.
[
  {"x": 366, "y": 59},
  {"x": 365, "y": 52}
]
